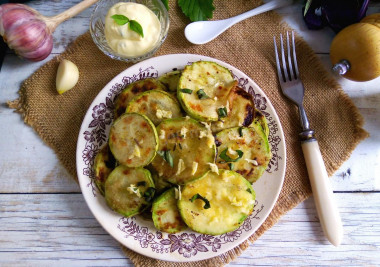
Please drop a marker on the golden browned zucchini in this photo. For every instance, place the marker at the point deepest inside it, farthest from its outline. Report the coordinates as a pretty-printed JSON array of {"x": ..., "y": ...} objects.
[
  {"x": 129, "y": 191},
  {"x": 203, "y": 89},
  {"x": 244, "y": 150},
  {"x": 165, "y": 213},
  {"x": 216, "y": 203},
  {"x": 185, "y": 148},
  {"x": 157, "y": 105},
  {"x": 170, "y": 80},
  {"x": 104, "y": 163},
  {"x": 241, "y": 109},
  {"x": 133, "y": 140},
  {"x": 133, "y": 90}
]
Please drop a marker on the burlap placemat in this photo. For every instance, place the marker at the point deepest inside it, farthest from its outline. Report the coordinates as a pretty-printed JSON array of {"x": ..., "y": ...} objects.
[{"x": 247, "y": 46}]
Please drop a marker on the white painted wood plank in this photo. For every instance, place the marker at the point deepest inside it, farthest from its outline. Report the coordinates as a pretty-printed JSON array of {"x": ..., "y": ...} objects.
[{"x": 51, "y": 229}]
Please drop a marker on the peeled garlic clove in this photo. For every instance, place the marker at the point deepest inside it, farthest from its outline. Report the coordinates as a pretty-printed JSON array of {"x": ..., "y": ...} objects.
[{"x": 67, "y": 76}]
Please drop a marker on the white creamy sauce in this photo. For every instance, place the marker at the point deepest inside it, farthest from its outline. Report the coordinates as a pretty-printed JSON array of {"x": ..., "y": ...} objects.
[{"x": 122, "y": 39}]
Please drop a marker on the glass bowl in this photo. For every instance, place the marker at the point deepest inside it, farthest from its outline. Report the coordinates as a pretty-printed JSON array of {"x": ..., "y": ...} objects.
[{"x": 97, "y": 26}]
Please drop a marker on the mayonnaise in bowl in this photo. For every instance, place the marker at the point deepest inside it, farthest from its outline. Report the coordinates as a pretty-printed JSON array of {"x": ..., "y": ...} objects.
[{"x": 125, "y": 41}]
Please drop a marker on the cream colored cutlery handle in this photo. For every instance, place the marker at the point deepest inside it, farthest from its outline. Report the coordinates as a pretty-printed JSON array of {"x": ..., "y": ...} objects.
[{"x": 323, "y": 195}]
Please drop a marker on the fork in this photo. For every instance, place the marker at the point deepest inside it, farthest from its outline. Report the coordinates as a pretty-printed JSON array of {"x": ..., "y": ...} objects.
[{"x": 292, "y": 87}]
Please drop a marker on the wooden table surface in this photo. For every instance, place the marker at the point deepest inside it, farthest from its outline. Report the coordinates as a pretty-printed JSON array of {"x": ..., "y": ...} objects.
[{"x": 45, "y": 221}]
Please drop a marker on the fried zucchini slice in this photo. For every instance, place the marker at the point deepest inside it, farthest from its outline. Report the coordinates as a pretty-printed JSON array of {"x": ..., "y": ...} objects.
[
  {"x": 129, "y": 191},
  {"x": 104, "y": 163},
  {"x": 157, "y": 105},
  {"x": 170, "y": 80},
  {"x": 133, "y": 140},
  {"x": 186, "y": 146},
  {"x": 203, "y": 89},
  {"x": 261, "y": 121},
  {"x": 216, "y": 203},
  {"x": 241, "y": 111},
  {"x": 133, "y": 90},
  {"x": 244, "y": 150},
  {"x": 165, "y": 213}
]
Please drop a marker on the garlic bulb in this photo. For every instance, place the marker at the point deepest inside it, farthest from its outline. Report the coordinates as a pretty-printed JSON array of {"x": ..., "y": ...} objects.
[
  {"x": 25, "y": 32},
  {"x": 28, "y": 32}
]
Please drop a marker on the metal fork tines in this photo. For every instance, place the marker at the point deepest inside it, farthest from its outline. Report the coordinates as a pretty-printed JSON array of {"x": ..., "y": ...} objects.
[
  {"x": 292, "y": 88},
  {"x": 290, "y": 82}
]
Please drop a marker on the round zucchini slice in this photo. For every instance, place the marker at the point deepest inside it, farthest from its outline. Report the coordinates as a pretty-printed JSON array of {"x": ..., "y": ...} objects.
[
  {"x": 165, "y": 213},
  {"x": 104, "y": 163},
  {"x": 133, "y": 90},
  {"x": 203, "y": 89},
  {"x": 157, "y": 105},
  {"x": 170, "y": 80},
  {"x": 129, "y": 191},
  {"x": 133, "y": 140},
  {"x": 244, "y": 150},
  {"x": 186, "y": 147},
  {"x": 216, "y": 203},
  {"x": 241, "y": 109}
]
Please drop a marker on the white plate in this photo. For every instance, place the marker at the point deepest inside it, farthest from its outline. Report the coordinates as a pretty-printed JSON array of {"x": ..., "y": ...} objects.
[{"x": 139, "y": 234}]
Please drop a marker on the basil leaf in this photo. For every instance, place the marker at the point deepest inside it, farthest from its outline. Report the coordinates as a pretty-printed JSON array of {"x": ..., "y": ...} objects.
[
  {"x": 166, "y": 4},
  {"x": 165, "y": 154},
  {"x": 133, "y": 25},
  {"x": 222, "y": 112},
  {"x": 198, "y": 196},
  {"x": 169, "y": 158},
  {"x": 136, "y": 27},
  {"x": 249, "y": 191},
  {"x": 120, "y": 19},
  {"x": 201, "y": 94},
  {"x": 223, "y": 155},
  {"x": 197, "y": 10},
  {"x": 187, "y": 91}
]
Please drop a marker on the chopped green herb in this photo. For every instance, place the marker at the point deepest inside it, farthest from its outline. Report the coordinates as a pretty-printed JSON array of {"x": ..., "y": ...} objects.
[
  {"x": 240, "y": 131},
  {"x": 149, "y": 194},
  {"x": 133, "y": 25},
  {"x": 142, "y": 183},
  {"x": 180, "y": 146},
  {"x": 202, "y": 95},
  {"x": 231, "y": 166},
  {"x": 187, "y": 91},
  {"x": 222, "y": 112},
  {"x": 249, "y": 191},
  {"x": 198, "y": 196},
  {"x": 169, "y": 158},
  {"x": 175, "y": 145},
  {"x": 223, "y": 155},
  {"x": 165, "y": 154}
]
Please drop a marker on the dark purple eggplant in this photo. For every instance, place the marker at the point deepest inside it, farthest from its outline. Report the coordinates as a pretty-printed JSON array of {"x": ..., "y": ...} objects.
[{"x": 337, "y": 14}]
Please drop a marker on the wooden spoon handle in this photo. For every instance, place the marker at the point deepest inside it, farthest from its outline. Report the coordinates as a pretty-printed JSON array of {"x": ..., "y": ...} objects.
[{"x": 53, "y": 22}]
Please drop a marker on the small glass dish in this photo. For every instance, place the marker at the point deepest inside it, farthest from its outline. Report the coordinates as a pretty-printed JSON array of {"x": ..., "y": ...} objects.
[{"x": 97, "y": 26}]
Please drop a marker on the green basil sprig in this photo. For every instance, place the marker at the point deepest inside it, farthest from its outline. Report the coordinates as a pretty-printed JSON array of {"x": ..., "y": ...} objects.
[
  {"x": 201, "y": 94},
  {"x": 165, "y": 154},
  {"x": 223, "y": 155},
  {"x": 133, "y": 24},
  {"x": 198, "y": 196}
]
